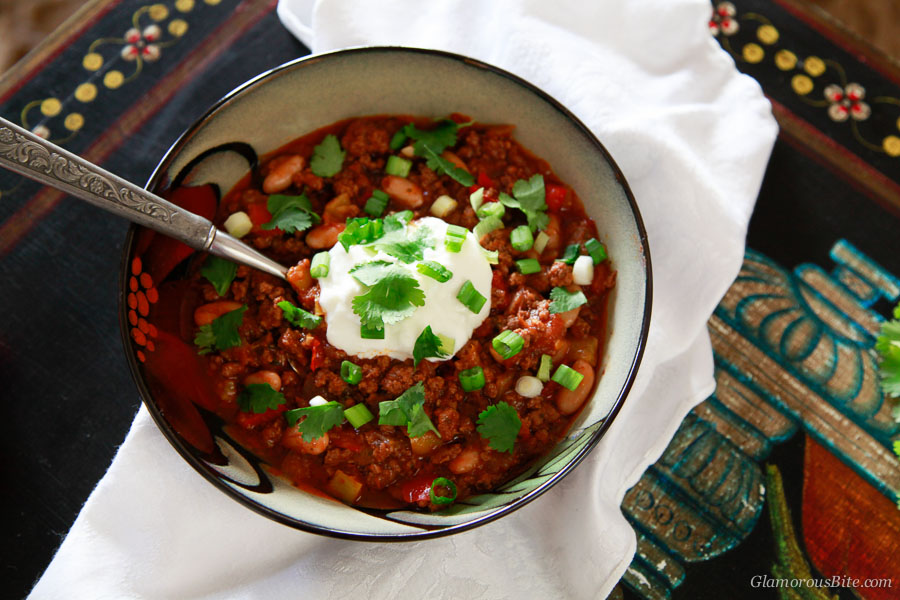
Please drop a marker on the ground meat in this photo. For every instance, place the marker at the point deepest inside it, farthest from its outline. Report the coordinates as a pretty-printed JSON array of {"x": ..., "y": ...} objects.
[{"x": 383, "y": 459}]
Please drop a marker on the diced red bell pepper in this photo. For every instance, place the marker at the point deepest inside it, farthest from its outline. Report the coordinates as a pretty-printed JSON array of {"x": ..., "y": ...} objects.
[
  {"x": 317, "y": 358},
  {"x": 555, "y": 195},
  {"x": 483, "y": 181},
  {"x": 249, "y": 420},
  {"x": 260, "y": 215},
  {"x": 417, "y": 488}
]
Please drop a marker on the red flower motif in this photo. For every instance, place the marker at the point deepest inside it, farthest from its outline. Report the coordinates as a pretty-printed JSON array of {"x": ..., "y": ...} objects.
[
  {"x": 141, "y": 44},
  {"x": 722, "y": 20},
  {"x": 847, "y": 102}
]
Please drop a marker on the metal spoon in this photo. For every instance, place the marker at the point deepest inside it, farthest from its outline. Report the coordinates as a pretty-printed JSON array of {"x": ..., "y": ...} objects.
[{"x": 34, "y": 157}]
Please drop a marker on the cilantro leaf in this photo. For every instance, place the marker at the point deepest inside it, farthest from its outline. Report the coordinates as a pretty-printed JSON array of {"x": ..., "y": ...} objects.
[
  {"x": 393, "y": 293},
  {"x": 298, "y": 317},
  {"x": 219, "y": 272},
  {"x": 441, "y": 137},
  {"x": 440, "y": 165},
  {"x": 290, "y": 213},
  {"x": 221, "y": 333},
  {"x": 327, "y": 158},
  {"x": 319, "y": 419},
  {"x": 427, "y": 344},
  {"x": 530, "y": 199},
  {"x": 397, "y": 220},
  {"x": 259, "y": 397},
  {"x": 563, "y": 300},
  {"x": 888, "y": 347},
  {"x": 500, "y": 424},
  {"x": 407, "y": 409},
  {"x": 406, "y": 247}
]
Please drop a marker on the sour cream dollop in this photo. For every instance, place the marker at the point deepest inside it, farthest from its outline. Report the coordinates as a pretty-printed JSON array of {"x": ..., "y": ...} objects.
[{"x": 442, "y": 310}]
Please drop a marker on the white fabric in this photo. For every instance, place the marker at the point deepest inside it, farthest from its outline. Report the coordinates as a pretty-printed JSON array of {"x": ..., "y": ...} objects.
[{"x": 692, "y": 137}]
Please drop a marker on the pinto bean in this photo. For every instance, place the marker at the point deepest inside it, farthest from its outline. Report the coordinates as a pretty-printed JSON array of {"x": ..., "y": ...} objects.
[
  {"x": 569, "y": 316},
  {"x": 584, "y": 348},
  {"x": 324, "y": 235},
  {"x": 404, "y": 191},
  {"x": 456, "y": 160},
  {"x": 339, "y": 208},
  {"x": 465, "y": 461},
  {"x": 271, "y": 378},
  {"x": 568, "y": 401},
  {"x": 282, "y": 174},
  {"x": 207, "y": 313},
  {"x": 553, "y": 232},
  {"x": 293, "y": 440}
]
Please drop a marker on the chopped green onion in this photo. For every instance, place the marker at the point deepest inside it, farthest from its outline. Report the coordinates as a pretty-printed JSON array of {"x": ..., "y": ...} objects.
[
  {"x": 320, "y": 265},
  {"x": 358, "y": 415},
  {"x": 371, "y": 332},
  {"x": 540, "y": 242},
  {"x": 472, "y": 379},
  {"x": 376, "y": 204},
  {"x": 567, "y": 377},
  {"x": 398, "y": 140},
  {"x": 521, "y": 238},
  {"x": 238, "y": 224},
  {"x": 443, "y": 206},
  {"x": 485, "y": 226},
  {"x": 361, "y": 230},
  {"x": 435, "y": 270},
  {"x": 397, "y": 166},
  {"x": 508, "y": 344},
  {"x": 350, "y": 372},
  {"x": 544, "y": 368},
  {"x": 571, "y": 254},
  {"x": 444, "y": 483},
  {"x": 492, "y": 256},
  {"x": 476, "y": 198},
  {"x": 491, "y": 209},
  {"x": 527, "y": 266},
  {"x": 596, "y": 250},
  {"x": 470, "y": 297},
  {"x": 455, "y": 238}
]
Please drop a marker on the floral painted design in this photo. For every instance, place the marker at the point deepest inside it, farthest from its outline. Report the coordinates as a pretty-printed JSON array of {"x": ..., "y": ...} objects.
[
  {"x": 847, "y": 102},
  {"x": 141, "y": 43},
  {"x": 723, "y": 19}
]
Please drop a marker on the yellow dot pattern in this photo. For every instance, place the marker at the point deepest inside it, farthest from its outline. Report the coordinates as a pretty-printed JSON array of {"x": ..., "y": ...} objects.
[
  {"x": 158, "y": 12},
  {"x": 212, "y": 2},
  {"x": 802, "y": 84},
  {"x": 86, "y": 92},
  {"x": 51, "y": 107},
  {"x": 814, "y": 65},
  {"x": 184, "y": 5},
  {"x": 178, "y": 27},
  {"x": 113, "y": 79},
  {"x": 753, "y": 53},
  {"x": 73, "y": 122},
  {"x": 92, "y": 61},
  {"x": 785, "y": 60},
  {"x": 891, "y": 145},
  {"x": 767, "y": 34},
  {"x": 898, "y": 123}
]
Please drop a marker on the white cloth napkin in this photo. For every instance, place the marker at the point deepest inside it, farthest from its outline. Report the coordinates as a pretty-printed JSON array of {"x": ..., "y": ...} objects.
[{"x": 692, "y": 136}]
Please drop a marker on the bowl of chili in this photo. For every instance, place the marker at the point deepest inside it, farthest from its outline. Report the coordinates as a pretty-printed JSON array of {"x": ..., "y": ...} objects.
[{"x": 465, "y": 314}]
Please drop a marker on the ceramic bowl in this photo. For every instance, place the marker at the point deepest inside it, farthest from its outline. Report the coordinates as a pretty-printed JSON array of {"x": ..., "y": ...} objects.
[{"x": 299, "y": 97}]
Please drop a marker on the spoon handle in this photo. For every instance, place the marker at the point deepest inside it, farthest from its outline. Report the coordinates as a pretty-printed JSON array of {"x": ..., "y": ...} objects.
[{"x": 34, "y": 157}]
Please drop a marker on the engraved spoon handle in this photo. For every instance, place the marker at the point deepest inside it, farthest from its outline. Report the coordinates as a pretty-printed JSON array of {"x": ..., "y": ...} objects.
[{"x": 34, "y": 157}]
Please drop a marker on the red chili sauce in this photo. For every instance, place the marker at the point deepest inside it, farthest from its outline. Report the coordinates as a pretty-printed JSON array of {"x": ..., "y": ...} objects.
[{"x": 381, "y": 465}]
